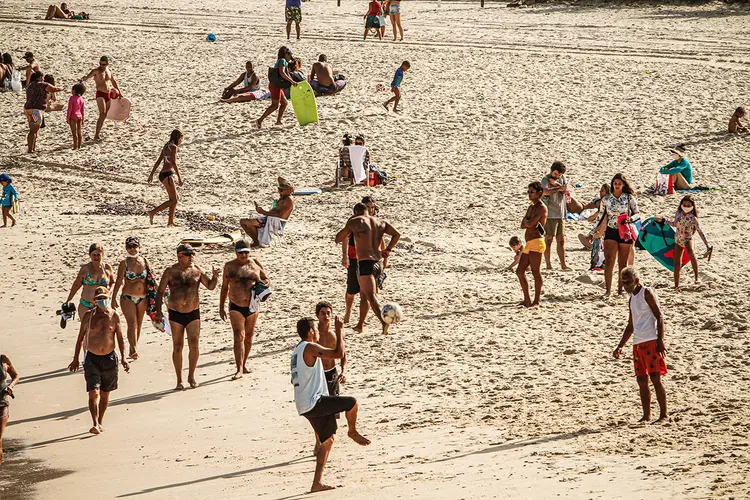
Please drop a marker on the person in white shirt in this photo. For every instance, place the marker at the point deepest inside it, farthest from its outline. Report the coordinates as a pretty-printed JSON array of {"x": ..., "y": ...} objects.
[
  {"x": 311, "y": 394},
  {"x": 646, "y": 325}
]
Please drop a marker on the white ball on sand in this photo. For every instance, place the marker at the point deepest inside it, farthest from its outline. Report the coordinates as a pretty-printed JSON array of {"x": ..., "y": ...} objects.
[{"x": 392, "y": 313}]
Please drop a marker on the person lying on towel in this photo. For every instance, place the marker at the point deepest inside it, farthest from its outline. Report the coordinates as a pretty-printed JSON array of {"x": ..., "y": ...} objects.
[{"x": 271, "y": 221}]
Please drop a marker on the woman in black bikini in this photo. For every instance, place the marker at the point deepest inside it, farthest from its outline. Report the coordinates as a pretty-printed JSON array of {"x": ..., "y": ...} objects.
[
  {"x": 166, "y": 176},
  {"x": 131, "y": 275}
]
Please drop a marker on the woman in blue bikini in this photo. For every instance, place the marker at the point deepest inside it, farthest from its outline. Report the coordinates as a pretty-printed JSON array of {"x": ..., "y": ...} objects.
[
  {"x": 131, "y": 276},
  {"x": 93, "y": 274}
]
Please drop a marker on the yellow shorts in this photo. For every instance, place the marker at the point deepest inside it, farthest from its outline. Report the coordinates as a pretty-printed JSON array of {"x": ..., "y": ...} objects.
[{"x": 536, "y": 245}]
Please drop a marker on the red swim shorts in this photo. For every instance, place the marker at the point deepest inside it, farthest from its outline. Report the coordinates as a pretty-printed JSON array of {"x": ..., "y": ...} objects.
[
  {"x": 103, "y": 95},
  {"x": 276, "y": 92},
  {"x": 646, "y": 360}
]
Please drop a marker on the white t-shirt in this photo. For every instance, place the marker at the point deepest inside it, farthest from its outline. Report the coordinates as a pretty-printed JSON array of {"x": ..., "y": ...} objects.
[
  {"x": 644, "y": 321},
  {"x": 309, "y": 381}
]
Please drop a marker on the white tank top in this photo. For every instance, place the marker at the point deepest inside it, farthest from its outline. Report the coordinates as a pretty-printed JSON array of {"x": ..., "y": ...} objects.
[
  {"x": 644, "y": 321},
  {"x": 309, "y": 381}
]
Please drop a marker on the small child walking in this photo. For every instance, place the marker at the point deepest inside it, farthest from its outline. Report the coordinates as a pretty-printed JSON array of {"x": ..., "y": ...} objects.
[
  {"x": 686, "y": 225},
  {"x": 75, "y": 114},
  {"x": 10, "y": 195},
  {"x": 396, "y": 86}
]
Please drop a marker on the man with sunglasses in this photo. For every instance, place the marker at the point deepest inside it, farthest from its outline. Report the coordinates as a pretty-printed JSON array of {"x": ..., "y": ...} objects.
[
  {"x": 183, "y": 280},
  {"x": 271, "y": 221},
  {"x": 102, "y": 74}
]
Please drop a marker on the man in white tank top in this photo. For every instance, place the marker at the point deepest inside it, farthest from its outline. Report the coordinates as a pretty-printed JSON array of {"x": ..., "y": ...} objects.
[
  {"x": 646, "y": 325},
  {"x": 311, "y": 394}
]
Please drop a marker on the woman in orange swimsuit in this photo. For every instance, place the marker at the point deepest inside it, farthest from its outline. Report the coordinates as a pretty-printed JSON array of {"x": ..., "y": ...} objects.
[
  {"x": 166, "y": 176},
  {"x": 131, "y": 276}
]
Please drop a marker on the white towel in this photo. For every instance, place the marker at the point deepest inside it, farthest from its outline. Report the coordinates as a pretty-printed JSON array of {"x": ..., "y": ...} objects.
[
  {"x": 357, "y": 156},
  {"x": 273, "y": 225}
]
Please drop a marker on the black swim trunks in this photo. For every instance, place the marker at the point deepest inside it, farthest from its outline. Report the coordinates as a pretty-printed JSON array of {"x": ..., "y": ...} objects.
[
  {"x": 368, "y": 268},
  {"x": 244, "y": 311},
  {"x": 352, "y": 283},
  {"x": 100, "y": 371},
  {"x": 184, "y": 319},
  {"x": 322, "y": 416},
  {"x": 332, "y": 379}
]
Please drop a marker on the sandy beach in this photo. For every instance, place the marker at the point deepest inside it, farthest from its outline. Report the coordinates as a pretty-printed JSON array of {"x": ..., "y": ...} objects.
[{"x": 471, "y": 396}]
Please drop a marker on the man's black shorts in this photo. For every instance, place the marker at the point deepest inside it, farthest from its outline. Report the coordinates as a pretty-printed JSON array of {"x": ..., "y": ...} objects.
[
  {"x": 368, "y": 268},
  {"x": 100, "y": 372},
  {"x": 352, "y": 283},
  {"x": 323, "y": 416}
]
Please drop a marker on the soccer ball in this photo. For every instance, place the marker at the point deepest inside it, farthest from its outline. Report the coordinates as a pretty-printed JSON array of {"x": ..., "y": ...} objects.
[
  {"x": 392, "y": 313},
  {"x": 381, "y": 87}
]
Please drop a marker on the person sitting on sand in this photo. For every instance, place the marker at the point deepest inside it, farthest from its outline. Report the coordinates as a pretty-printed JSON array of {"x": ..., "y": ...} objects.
[
  {"x": 272, "y": 221},
  {"x": 99, "y": 327},
  {"x": 166, "y": 176},
  {"x": 679, "y": 168},
  {"x": 32, "y": 66},
  {"x": 324, "y": 79},
  {"x": 6, "y": 71},
  {"x": 735, "y": 125},
  {"x": 296, "y": 74},
  {"x": 311, "y": 395},
  {"x": 9, "y": 378},
  {"x": 249, "y": 80},
  {"x": 531, "y": 256},
  {"x": 62, "y": 12},
  {"x": 646, "y": 326}
]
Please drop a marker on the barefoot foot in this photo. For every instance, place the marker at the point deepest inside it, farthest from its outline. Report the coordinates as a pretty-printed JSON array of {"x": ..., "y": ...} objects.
[
  {"x": 237, "y": 375},
  {"x": 193, "y": 383},
  {"x": 179, "y": 387},
  {"x": 245, "y": 369},
  {"x": 321, "y": 487},
  {"x": 94, "y": 430},
  {"x": 358, "y": 438}
]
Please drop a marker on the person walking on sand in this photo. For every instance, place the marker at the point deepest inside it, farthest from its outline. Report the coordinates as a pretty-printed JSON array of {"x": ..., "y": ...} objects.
[
  {"x": 9, "y": 197},
  {"x": 396, "y": 86},
  {"x": 9, "y": 378},
  {"x": 239, "y": 280},
  {"x": 36, "y": 105},
  {"x": 168, "y": 171},
  {"x": 183, "y": 279},
  {"x": 311, "y": 394},
  {"x": 131, "y": 276},
  {"x": 99, "y": 327},
  {"x": 646, "y": 326},
  {"x": 368, "y": 234},
  {"x": 93, "y": 274},
  {"x": 102, "y": 77},
  {"x": 278, "y": 80},
  {"x": 75, "y": 114},
  {"x": 531, "y": 255},
  {"x": 555, "y": 187}
]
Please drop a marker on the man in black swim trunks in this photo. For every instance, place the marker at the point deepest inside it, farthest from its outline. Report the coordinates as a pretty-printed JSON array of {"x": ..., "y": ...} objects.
[
  {"x": 183, "y": 280},
  {"x": 311, "y": 394},
  {"x": 368, "y": 234},
  {"x": 99, "y": 327},
  {"x": 240, "y": 276},
  {"x": 327, "y": 338}
]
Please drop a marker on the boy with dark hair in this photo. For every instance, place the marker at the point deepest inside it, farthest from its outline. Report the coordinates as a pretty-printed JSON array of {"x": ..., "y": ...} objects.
[{"x": 396, "y": 86}]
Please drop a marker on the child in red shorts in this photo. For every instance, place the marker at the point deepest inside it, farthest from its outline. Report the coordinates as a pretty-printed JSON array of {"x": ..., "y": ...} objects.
[{"x": 646, "y": 325}]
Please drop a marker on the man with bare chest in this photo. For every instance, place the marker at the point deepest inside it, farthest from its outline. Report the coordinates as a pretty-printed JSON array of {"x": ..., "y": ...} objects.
[
  {"x": 183, "y": 280},
  {"x": 99, "y": 327},
  {"x": 239, "y": 284},
  {"x": 368, "y": 234},
  {"x": 327, "y": 338},
  {"x": 102, "y": 75}
]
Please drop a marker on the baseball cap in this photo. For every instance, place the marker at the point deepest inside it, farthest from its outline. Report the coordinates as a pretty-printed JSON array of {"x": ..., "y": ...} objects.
[
  {"x": 186, "y": 249},
  {"x": 28, "y": 55},
  {"x": 101, "y": 292},
  {"x": 242, "y": 246}
]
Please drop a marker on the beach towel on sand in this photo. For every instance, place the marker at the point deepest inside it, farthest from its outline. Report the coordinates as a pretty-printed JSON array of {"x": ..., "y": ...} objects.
[{"x": 357, "y": 155}]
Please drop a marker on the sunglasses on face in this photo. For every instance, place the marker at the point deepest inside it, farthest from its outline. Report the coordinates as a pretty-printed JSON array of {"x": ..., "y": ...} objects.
[{"x": 186, "y": 254}]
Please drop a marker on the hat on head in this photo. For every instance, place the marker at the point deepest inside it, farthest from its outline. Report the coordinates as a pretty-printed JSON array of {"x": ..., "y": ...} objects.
[
  {"x": 5, "y": 178},
  {"x": 132, "y": 240},
  {"x": 242, "y": 246},
  {"x": 678, "y": 150},
  {"x": 284, "y": 184},
  {"x": 101, "y": 292},
  {"x": 186, "y": 249},
  {"x": 28, "y": 55}
]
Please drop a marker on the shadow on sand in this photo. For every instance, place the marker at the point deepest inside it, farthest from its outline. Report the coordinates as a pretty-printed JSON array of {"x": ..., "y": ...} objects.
[{"x": 21, "y": 474}]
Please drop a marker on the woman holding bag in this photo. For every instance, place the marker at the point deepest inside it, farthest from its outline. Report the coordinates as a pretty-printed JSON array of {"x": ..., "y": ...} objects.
[
  {"x": 278, "y": 80},
  {"x": 618, "y": 244}
]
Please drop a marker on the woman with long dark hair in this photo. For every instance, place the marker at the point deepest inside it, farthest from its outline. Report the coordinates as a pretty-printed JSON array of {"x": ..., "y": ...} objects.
[
  {"x": 166, "y": 176},
  {"x": 620, "y": 200},
  {"x": 278, "y": 80}
]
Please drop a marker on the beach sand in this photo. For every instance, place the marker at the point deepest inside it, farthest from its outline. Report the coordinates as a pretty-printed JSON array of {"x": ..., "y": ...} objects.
[{"x": 471, "y": 396}]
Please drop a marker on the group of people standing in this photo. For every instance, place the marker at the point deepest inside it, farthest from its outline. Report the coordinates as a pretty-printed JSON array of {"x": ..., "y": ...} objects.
[{"x": 375, "y": 18}]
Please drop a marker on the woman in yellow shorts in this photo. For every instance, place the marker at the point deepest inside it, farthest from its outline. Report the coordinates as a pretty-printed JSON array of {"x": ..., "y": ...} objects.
[{"x": 533, "y": 221}]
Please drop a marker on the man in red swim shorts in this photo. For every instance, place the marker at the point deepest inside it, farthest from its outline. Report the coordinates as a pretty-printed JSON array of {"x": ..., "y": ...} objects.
[
  {"x": 646, "y": 325},
  {"x": 102, "y": 74}
]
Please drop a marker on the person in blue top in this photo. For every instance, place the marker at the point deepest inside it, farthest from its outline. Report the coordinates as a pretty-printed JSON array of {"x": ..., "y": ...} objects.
[
  {"x": 396, "y": 86},
  {"x": 9, "y": 196},
  {"x": 679, "y": 169},
  {"x": 293, "y": 13}
]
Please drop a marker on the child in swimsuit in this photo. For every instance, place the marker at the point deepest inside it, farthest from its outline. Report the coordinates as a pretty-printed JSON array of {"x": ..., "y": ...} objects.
[
  {"x": 735, "y": 125},
  {"x": 515, "y": 245},
  {"x": 75, "y": 114}
]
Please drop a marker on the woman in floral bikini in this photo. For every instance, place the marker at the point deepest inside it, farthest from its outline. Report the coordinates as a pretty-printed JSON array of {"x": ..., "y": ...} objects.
[{"x": 686, "y": 224}]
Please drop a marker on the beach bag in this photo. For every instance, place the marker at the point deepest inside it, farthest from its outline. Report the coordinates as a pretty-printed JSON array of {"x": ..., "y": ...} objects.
[
  {"x": 274, "y": 78},
  {"x": 628, "y": 232},
  {"x": 597, "y": 254},
  {"x": 664, "y": 185},
  {"x": 151, "y": 289}
]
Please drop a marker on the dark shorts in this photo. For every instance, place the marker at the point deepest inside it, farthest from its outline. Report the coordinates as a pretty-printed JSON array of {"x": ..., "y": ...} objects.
[
  {"x": 613, "y": 234},
  {"x": 164, "y": 175},
  {"x": 244, "y": 311},
  {"x": 352, "y": 283},
  {"x": 4, "y": 411},
  {"x": 372, "y": 22},
  {"x": 100, "y": 371},
  {"x": 332, "y": 379},
  {"x": 323, "y": 416},
  {"x": 184, "y": 319},
  {"x": 368, "y": 268}
]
